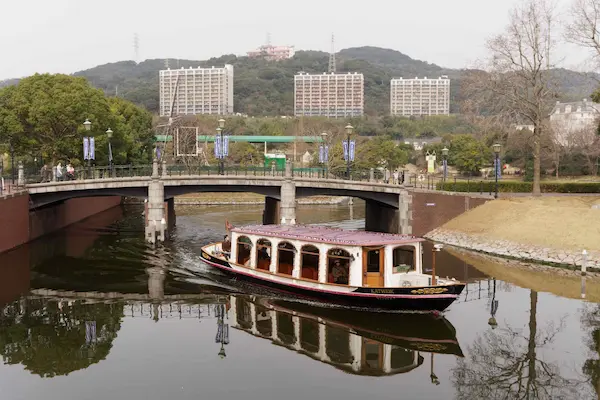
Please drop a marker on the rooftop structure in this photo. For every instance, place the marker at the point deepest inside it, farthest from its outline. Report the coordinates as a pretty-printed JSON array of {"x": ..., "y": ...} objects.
[
  {"x": 273, "y": 53},
  {"x": 329, "y": 94},
  {"x": 324, "y": 234},
  {"x": 196, "y": 91},
  {"x": 420, "y": 96}
]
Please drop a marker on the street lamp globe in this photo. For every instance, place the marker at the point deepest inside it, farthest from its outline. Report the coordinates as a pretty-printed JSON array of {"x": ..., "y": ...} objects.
[
  {"x": 496, "y": 148},
  {"x": 349, "y": 129},
  {"x": 324, "y": 135},
  {"x": 221, "y": 123},
  {"x": 445, "y": 151},
  {"x": 87, "y": 124},
  {"x": 109, "y": 133}
]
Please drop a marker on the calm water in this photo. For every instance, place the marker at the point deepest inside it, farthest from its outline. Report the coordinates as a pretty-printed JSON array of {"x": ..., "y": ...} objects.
[{"x": 94, "y": 313}]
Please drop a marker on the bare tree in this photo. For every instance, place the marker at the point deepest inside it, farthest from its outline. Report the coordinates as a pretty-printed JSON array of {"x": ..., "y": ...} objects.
[
  {"x": 583, "y": 29},
  {"x": 517, "y": 81}
]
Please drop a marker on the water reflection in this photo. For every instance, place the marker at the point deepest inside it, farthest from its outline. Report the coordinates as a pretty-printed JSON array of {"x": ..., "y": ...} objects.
[
  {"x": 506, "y": 363},
  {"x": 357, "y": 342}
]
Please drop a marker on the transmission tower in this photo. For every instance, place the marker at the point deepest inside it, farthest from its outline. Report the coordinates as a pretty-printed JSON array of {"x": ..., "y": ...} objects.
[
  {"x": 166, "y": 63},
  {"x": 136, "y": 47},
  {"x": 332, "y": 55}
]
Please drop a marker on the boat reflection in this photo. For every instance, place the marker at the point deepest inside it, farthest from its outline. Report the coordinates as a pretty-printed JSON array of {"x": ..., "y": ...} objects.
[{"x": 361, "y": 343}]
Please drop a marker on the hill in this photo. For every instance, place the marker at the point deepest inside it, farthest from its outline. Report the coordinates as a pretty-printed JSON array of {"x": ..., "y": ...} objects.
[{"x": 266, "y": 88}]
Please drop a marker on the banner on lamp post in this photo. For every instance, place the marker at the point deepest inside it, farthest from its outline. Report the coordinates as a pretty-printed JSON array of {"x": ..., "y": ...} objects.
[
  {"x": 92, "y": 148},
  {"x": 225, "y": 146},
  {"x": 498, "y": 166},
  {"x": 352, "y": 149},
  {"x": 345, "y": 146},
  {"x": 86, "y": 148},
  {"x": 321, "y": 154},
  {"x": 218, "y": 146}
]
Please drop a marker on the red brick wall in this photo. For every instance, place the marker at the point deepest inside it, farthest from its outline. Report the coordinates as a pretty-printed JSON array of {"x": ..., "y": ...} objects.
[
  {"x": 431, "y": 210},
  {"x": 14, "y": 274},
  {"x": 50, "y": 219},
  {"x": 14, "y": 221}
]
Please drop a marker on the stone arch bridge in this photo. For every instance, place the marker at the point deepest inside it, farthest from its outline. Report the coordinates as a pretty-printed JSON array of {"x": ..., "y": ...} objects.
[{"x": 389, "y": 208}]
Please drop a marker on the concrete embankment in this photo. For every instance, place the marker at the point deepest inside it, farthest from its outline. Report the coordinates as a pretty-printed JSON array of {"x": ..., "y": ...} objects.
[
  {"x": 19, "y": 225},
  {"x": 552, "y": 230},
  {"x": 236, "y": 199}
]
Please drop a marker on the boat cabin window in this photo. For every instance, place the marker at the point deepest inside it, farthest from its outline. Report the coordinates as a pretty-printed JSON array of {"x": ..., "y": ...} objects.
[
  {"x": 244, "y": 247},
  {"x": 286, "y": 252},
  {"x": 263, "y": 254},
  {"x": 244, "y": 313},
  {"x": 309, "y": 262},
  {"x": 404, "y": 259},
  {"x": 264, "y": 324},
  {"x": 286, "y": 332},
  {"x": 338, "y": 266},
  {"x": 402, "y": 358}
]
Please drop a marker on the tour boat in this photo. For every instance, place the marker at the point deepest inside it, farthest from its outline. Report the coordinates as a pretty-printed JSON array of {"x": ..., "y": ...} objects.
[
  {"x": 338, "y": 266},
  {"x": 357, "y": 342}
]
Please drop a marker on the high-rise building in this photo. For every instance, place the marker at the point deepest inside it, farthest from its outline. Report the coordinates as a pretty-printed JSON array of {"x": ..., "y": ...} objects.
[
  {"x": 273, "y": 53},
  {"x": 196, "y": 91},
  {"x": 329, "y": 94},
  {"x": 420, "y": 96}
]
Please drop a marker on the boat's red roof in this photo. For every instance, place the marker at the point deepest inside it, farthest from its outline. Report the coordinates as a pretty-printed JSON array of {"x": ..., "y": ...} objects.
[{"x": 324, "y": 234}]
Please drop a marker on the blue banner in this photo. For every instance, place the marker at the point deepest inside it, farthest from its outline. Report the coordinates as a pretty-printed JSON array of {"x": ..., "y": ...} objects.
[
  {"x": 498, "y": 167},
  {"x": 345, "y": 145},
  {"x": 86, "y": 148},
  {"x": 218, "y": 146},
  {"x": 352, "y": 148},
  {"x": 321, "y": 154},
  {"x": 158, "y": 153},
  {"x": 225, "y": 146},
  {"x": 92, "y": 148},
  {"x": 445, "y": 165},
  {"x": 326, "y": 153},
  {"x": 110, "y": 158}
]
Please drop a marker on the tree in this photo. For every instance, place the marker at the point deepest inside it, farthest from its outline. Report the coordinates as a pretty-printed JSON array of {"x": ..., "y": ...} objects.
[
  {"x": 583, "y": 29},
  {"x": 518, "y": 82},
  {"x": 44, "y": 114},
  {"x": 468, "y": 154}
]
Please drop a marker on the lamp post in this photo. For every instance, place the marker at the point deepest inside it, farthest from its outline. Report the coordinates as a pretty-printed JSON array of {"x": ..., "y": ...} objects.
[
  {"x": 496, "y": 148},
  {"x": 12, "y": 162},
  {"x": 221, "y": 150},
  {"x": 88, "y": 127},
  {"x": 325, "y": 154},
  {"x": 109, "y": 134},
  {"x": 493, "y": 308},
  {"x": 445, "y": 161},
  {"x": 349, "y": 129}
]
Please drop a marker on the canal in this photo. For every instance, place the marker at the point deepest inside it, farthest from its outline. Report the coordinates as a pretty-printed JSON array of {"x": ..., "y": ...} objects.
[{"x": 92, "y": 312}]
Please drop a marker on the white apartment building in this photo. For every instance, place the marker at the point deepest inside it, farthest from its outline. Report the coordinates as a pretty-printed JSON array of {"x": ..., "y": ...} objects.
[
  {"x": 273, "y": 53},
  {"x": 420, "y": 96},
  {"x": 196, "y": 91},
  {"x": 329, "y": 94},
  {"x": 575, "y": 124}
]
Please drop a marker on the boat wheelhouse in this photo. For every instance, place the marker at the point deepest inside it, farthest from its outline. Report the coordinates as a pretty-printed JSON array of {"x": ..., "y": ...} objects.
[{"x": 349, "y": 267}]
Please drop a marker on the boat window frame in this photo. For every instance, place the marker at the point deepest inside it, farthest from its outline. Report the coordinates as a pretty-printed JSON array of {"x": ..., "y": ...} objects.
[
  {"x": 317, "y": 254},
  {"x": 238, "y": 243},
  {"x": 349, "y": 258},
  {"x": 413, "y": 267},
  {"x": 294, "y": 252},
  {"x": 260, "y": 246}
]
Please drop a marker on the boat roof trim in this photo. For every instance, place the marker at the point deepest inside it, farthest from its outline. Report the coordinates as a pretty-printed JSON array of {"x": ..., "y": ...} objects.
[{"x": 325, "y": 234}]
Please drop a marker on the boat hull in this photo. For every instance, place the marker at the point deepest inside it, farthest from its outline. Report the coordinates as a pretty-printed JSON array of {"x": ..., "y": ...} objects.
[{"x": 426, "y": 298}]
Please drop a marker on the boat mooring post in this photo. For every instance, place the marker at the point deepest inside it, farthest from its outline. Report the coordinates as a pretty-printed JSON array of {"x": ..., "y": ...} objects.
[{"x": 436, "y": 248}]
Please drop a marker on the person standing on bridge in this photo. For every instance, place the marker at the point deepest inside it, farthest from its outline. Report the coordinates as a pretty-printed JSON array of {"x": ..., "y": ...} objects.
[{"x": 59, "y": 172}]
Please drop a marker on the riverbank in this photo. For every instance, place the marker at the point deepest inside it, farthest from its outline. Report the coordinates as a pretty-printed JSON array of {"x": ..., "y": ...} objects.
[
  {"x": 222, "y": 199},
  {"x": 553, "y": 230}
]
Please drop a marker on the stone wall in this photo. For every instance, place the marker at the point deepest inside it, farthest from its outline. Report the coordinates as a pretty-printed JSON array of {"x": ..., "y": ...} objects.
[
  {"x": 519, "y": 251},
  {"x": 14, "y": 220},
  {"x": 47, "y": 220},
  {"x": 430, "y": 209}
]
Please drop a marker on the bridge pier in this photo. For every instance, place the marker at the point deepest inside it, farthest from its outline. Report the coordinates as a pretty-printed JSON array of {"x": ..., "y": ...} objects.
[
  {"x": 271, "y": 211},
  {"x": 155, "y": 210},
  {"x": 288, "y": 197},
  {"x": 171, "y": 216},
  {"x": 380, "y": 217}
]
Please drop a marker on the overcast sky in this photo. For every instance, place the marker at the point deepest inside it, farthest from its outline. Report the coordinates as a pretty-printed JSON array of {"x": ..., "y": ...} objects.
[{"x": 71, "y": 35}]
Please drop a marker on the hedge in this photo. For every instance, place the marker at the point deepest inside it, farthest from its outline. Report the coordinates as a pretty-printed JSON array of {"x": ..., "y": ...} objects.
[{"x": 518, "y": 187}]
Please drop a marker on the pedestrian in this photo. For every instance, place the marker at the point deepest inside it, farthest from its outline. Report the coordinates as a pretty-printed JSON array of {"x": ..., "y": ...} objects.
[
  {"x": 395, "y": 177},
  {"x": 44, "y": 173},
  {"x": 59, "y": 172}
]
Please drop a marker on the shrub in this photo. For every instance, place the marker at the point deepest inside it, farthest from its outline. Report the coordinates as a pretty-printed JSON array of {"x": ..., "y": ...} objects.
[{"x": 518, "y": 187}]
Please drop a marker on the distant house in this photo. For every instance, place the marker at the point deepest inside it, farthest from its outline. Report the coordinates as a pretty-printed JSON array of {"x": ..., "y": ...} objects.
[
  {"x": 419, "y": 143},
  {"x": 574, "y": 124},
  {"x": 524, "y": 127}
]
